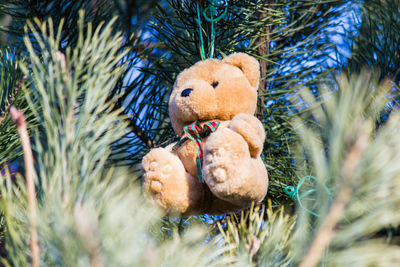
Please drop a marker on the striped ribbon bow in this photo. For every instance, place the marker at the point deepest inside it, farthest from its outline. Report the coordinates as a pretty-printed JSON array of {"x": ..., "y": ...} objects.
[{"x": 196, "y": 133}]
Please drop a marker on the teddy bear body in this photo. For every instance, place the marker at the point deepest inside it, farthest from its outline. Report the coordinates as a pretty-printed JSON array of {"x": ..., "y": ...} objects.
[{"x": 222, "y": 93}]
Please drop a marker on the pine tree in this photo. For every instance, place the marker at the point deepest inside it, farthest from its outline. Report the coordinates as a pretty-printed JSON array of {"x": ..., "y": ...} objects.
[
  {"x": 93, "y": 90},
  {"x": 376, "y": 42}
]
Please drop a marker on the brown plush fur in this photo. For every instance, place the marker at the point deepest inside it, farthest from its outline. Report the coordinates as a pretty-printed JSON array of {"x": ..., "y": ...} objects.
[{"x": 233, "y": 171}]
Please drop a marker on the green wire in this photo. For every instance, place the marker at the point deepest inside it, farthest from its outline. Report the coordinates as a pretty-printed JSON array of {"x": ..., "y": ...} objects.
[
  {"x": 293, "y": 193},
  {"x": 202, "y": 54},
  {"x": 211, "y": 9}
]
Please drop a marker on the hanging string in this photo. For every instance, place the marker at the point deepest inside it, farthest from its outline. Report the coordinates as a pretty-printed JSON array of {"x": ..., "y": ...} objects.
[
  {"x": 210, "y": 14},
  {"x": 293, "y": 192}
]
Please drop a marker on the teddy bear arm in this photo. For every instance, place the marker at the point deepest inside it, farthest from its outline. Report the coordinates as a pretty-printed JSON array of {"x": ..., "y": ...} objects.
[
  {"x": 231, "y": 173},
  {"x": 251, "y": 129}
]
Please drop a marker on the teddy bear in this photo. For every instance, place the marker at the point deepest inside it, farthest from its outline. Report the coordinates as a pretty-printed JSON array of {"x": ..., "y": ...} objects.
[{"x": 215, "y": 167}]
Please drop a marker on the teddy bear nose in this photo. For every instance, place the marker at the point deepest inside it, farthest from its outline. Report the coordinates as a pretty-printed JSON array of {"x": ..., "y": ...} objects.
[{"x": 186, "y": 92}]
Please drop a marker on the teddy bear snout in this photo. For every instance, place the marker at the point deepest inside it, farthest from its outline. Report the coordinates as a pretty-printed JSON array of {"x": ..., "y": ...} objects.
[{"x": 186, "y": 92}]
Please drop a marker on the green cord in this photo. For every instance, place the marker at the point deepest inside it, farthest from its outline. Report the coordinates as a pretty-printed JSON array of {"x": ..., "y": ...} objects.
[
  {"x": 202, "y": 54},
  {"x": 212, "y": 10},
  {"x": 293, "y": 192}
]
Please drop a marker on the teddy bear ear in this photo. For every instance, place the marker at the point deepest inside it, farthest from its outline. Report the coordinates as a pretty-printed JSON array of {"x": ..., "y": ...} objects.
[{"x": 248, "y": 64}]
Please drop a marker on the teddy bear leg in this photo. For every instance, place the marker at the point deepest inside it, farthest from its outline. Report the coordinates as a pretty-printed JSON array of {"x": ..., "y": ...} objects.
[
  {"x": 230, "y": 171},
  {"x": 169, "y": 185}
]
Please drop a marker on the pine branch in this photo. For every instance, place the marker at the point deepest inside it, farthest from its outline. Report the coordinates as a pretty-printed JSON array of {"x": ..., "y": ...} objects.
[
  {"x": 146, "y": 50},
  {"x": 326, "y": 233},
  {"x": 35, "y": 11},
  {"x": 12, "y": 99},
  {"x": 263, "y": 51},
  {"x": 345, "y": 150},
  {"x": 264, "y": 46},
  {"x": 150, "y": 143},
  {"x": 374, "y": 39},
  {"x": 18, "y": 118}
]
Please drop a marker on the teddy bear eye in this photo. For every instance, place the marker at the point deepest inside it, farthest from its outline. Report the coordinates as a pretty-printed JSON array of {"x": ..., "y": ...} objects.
[{"x": 214, "y": 84}]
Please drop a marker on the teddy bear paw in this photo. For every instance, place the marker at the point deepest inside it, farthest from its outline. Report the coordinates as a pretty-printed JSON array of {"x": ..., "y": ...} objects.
[
  {"x": 157, "y": 169},
  {"x": 157, "y": 176},
  {"x": 167, "y": 184},
  {"x": 224, "y": 152}
]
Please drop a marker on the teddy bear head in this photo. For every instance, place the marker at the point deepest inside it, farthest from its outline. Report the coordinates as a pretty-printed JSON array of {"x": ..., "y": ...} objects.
[{"x": 214, "y": 90}]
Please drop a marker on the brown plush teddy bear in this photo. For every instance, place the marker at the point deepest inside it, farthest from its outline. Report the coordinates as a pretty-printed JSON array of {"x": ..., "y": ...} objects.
[{"x": 216, "y": 167}]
